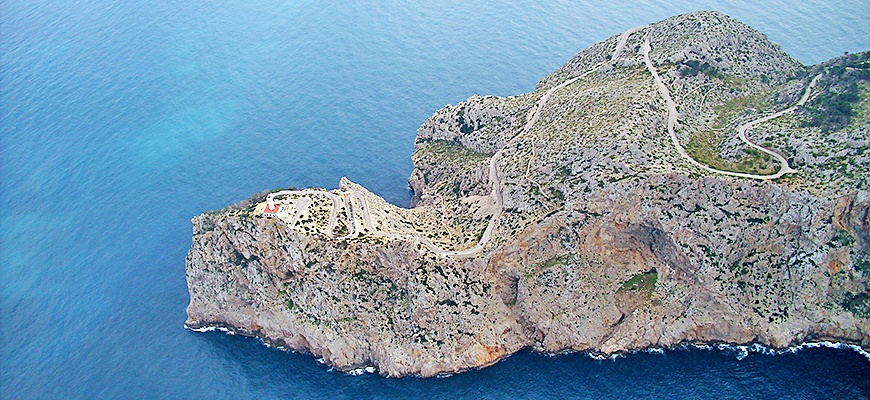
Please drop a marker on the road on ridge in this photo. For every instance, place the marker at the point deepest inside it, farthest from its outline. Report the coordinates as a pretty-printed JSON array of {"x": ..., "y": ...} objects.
[{"x": 497, "y": 192}]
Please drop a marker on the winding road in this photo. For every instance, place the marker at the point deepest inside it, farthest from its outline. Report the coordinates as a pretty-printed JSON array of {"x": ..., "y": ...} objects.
[
  {"x": 497, "y": 193},
  {"x": 741, "y": 131},
  {"x": 497, "y": 190}
]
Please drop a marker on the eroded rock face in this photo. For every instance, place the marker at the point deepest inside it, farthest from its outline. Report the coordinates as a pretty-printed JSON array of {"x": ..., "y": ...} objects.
[
  {"x": 353, "y": 304},
  {"x": 606, "y": 241},
  {"x": 852, "y": 214}
]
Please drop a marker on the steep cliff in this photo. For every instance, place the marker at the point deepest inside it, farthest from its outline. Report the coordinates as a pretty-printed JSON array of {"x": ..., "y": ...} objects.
[{"x": 685, "y": 181}]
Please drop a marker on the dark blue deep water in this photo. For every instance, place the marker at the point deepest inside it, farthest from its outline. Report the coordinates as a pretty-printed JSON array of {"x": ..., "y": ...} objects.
[{"x": 123, "y": 119}]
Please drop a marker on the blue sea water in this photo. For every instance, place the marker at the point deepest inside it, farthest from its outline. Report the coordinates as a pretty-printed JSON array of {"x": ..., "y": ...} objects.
[{"x": 120, "y": 120}]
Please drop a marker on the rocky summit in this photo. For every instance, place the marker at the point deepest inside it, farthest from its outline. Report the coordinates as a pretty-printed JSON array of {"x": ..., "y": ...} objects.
[{"x": 681, "y": 182}]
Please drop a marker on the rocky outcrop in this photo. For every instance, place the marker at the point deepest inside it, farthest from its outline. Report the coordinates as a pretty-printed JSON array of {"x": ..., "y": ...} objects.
[
  {"x": 602, "y": 239},
  {"x": 852, "y": 215}
]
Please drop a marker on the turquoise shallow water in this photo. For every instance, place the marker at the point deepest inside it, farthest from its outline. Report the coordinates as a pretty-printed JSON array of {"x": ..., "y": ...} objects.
[{"x": 119, "y": 121}]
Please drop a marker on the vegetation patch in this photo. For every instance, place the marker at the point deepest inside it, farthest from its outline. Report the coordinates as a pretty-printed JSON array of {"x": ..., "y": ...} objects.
[
  {"x": 861, "y": 109},
  {"x": 557, "y": 195},
  {"x": 835, "y": 107},
  {"x": 858, "y": 304},
  {"x": 842, "y": 239},
  {"x": 861, "y": 261},
  {"x": 705, "y": 146},
  {"x": 554, "y": 261},
  {"x": 452, "y": 151},
  {"x": 695, "y": 67},
  {"x": 288, "y": 302},
  {"x": 549, "y": 263},
  {"x": 645, "y": 282}
]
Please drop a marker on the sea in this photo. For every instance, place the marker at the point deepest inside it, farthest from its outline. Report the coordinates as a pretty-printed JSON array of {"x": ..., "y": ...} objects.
[{"x": 121, "y": 120}]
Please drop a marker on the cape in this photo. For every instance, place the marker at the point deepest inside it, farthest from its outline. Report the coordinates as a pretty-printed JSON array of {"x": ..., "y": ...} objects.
[{"x": 681, "y": 182}]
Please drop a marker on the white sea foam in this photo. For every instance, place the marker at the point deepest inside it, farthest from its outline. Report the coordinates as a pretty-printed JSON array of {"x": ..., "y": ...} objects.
[
  {"x": 362, "y": 370},
  {"x": 833, "y": 345},
  {"x": 602, "y": 357},
  {"x": 201, "y": 329},
  {"x": 741, "y": 351},
  {"x": 757, "y": 348},
  {"x": 211, "y": 329},
  {"x": 560, "y": 353}
]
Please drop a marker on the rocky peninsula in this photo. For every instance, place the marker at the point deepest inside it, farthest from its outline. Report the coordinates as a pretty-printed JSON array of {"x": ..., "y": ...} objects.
[{"x": 681, "y": 182}]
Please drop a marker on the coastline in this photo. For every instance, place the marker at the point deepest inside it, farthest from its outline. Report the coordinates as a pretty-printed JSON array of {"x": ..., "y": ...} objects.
[
  {"x": 627, "y": 248},
  {"x": 742, "y": 350}
]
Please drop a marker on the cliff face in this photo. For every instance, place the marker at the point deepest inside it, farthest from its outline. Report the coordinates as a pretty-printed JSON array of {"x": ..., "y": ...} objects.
[{"x": 566, "y": 219}]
